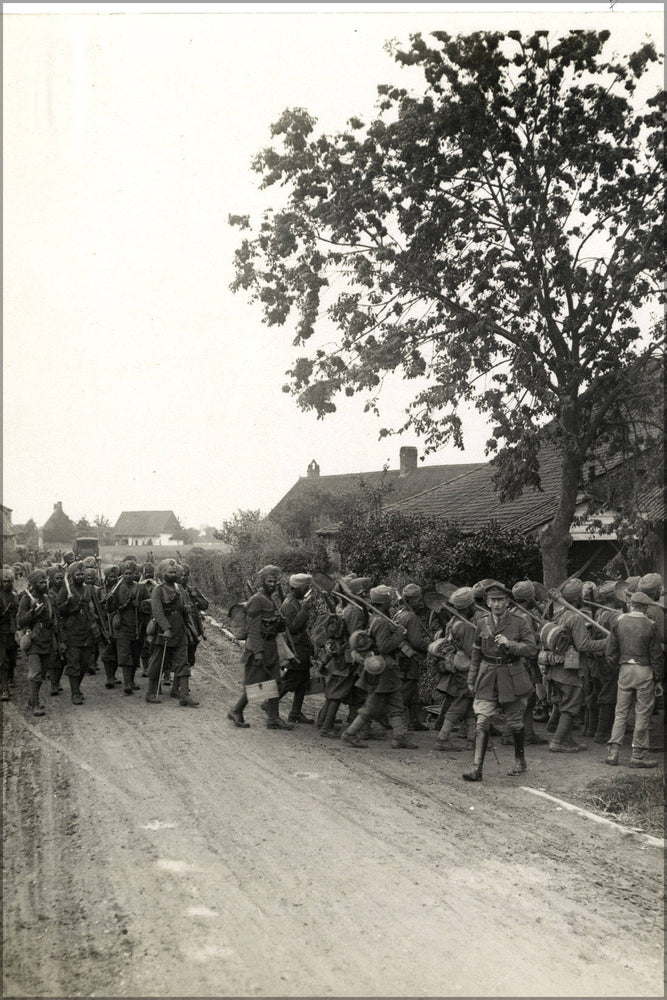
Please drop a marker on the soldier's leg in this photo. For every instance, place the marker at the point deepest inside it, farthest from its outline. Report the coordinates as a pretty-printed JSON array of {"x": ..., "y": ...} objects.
[
  {"x": 484, "y": 712},
  {"x": 182, "y": 672},
  {"x": 73, "y": 673},
  {"x": 135, "y": 648},
  {"x": 12, "y": 653},
  {"x": 235, "y": 714},
  {"x": 515, "y": 713},
  {"x": 571, "y": 702},
  {"x": 330, "y": 707},
  {"x": 156, "y": 663},
  {"x": 455, "y": 713},
  {"x": 395, "y": 711},
  {"x": 370, "y": 709},
  {"x": 624, "y": 699},
  {"x": 36, "y": 669},
  {"x": 124, "y": 655},
  {"x": 644, "y": 701},
  {"x": 4, "y": 674},
  {"x": 301, "y": 686}
]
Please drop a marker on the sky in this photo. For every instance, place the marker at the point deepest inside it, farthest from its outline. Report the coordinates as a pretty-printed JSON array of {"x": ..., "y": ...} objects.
[{"x": 133, "y": 378}]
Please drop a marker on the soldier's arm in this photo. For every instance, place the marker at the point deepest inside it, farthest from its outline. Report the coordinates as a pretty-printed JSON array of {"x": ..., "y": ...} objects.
[
  {"x": 158, "y": 610},
  {"x": 612, "y": 648},
  {"x": 388, "y": 638},
  {"x": 582, "y": 640},
  {"x": 416, "y": 634},
  {"x": 525, "y": 644},
  {"x": 254, "y": 613},
  {"x": 655, "y": 654},
  {"x": 475, "y": 660},
  {"x": 25, "y": 616},
  {"x": 295, "y": 617}
]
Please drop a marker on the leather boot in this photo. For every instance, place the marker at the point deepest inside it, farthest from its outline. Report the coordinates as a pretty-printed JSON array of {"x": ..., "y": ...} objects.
[
  {"x": 612, "y": 754},
  {"x": 185, "y": 699},
  {"x": 296, "y": 714},
  {"x": 34, "y": 703},
  {"x": 401, "y": 740},
  {"x": 481, "y": 743},
  {"x": 605, "y": 723},
  {"x": 54, "y": 679},
  {"x": 444, "y": 742},
  {"x": 562, "y": 741},
  {"x": 175, "y": 688},
  {"x": 151, "y": 694},
  {"x": 274, "y": 721},
  {"x": 519, "y": 758},
  {"x": 351, "y": 734},
  {"x": 127, "y": 680}
]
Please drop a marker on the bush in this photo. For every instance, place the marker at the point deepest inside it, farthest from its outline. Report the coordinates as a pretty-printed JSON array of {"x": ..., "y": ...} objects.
[{"x": 395, "y": 547}]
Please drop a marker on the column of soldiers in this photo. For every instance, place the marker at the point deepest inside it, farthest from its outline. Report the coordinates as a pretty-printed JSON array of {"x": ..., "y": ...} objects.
[
  {"x": 502, "y": 659},
  {"x": 497, "y": 659},
  {"x": 68, "y": 619}
]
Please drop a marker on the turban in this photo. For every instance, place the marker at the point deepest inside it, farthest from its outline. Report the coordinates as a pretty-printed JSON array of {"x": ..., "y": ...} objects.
[
  {"x": 300, "y": 580},
  {"x": 639, "y": 597},
  {"x": 7, "y": 573},
  {"x": 148, "y": 570},
  {"x": 523, "y": 591},
  {"x": 631, "y": 583},
  {"x": 381, "y": 594},
  {"x": 130, "y": 567},
  {"x": 479, "y": 588},
  {"x": 53, "y": 571},
  {"x": 589, "y": 590},
  {"x": 268, "y": 571},
  {"x": 572, "y": 589},
  {"x": 111, "y": 570},
  {"x": 462, "y": 598},
  {"x": 495, "y": 589},
  {"x": 358, "y": 584},
  {"x": 68, "y": 553},
  {"x": 607, "y": 589},
  {"x": 75, "y": 567},
  {"x": 411, "y": 590},
  {"x": 165, "y": 565},
  {"x": 90, "y": 561},
  {"x": 439, "y": 647},
  {"x": 39, "y": 576},
  {"x": 651, "y": 581}
]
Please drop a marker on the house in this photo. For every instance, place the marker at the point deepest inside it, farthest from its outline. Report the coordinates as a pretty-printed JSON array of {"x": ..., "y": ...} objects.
[
  {"x": 316, "y": 495},
  {"x": 9, "y": 533},
  {"x": 58, "y": 529},
  {"x": 471, "y": 501},
  {"x": 147, "y": 527}
]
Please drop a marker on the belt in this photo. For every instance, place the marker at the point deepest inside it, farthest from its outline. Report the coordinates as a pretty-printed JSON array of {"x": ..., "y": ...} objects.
[
  {"x": 635, "y": 663},
  {"x": 498, "y": 660}
]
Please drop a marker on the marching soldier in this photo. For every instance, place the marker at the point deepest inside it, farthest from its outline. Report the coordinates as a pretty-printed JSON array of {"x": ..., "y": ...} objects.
[
  {"x": 77, "y": 614},
  {"x": 412, "y": 654},
  {"x": 295, "y": 610},
  {"x": 454, "y": 652},
  {"x": 36, "y": 612},
  {"x": 195, "y": 603},
  {"x": 260, "y": 655},
  {"x": 56, "y": 578},
  {"x": 523, "y": 594},
  {"x": 498, "y": 676},
  {"x": 148, "y": 585},
  {"x": 606, "y": 676},
  {"x": 123, "y": 607},
  {"x": 9, "y": 604},
  {"x": 634, "y": 648},
  {"x": 170, "y": 646}
]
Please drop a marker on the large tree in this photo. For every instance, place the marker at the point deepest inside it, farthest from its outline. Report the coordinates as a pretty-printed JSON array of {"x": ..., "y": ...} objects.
[{"x": 493, "y": 236}]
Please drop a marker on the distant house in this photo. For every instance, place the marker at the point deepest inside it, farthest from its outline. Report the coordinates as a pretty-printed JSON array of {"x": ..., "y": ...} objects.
[
  {"x": 59, "y": 529},
  {"x": 9, "y": 532},
  {"x": 410, "y": 478},
  {"x": 147, "y": 527}
]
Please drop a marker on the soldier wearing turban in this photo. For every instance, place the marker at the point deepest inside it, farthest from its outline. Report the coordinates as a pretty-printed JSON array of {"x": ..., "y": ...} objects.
[
  {"x": 412, "y": 655},
  {"x": 76, "y": 614},
  {"x": 9, "y": 603},
  {"x": 295, "y": 610},
  {"x": 36, "y": 613}
]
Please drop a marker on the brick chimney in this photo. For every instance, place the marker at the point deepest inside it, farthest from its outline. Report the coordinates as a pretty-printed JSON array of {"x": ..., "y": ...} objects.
[
  {"x": 313, "y": 470},
  {"x": 58, "y": 505},
  {"x": 408, "y": 461}
]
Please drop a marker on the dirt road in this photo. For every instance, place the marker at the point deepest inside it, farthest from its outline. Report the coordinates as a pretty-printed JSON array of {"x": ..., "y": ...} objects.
[{"x": 155, "y": 851}]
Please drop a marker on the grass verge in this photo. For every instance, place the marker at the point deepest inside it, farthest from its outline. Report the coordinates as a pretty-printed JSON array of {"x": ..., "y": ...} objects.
[{"x": 636, "y": 800}]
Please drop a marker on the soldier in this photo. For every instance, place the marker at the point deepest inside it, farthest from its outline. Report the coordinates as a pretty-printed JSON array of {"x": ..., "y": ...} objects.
[
  {"x": 454, "y": 652},
  {"x": 195, "y": 603},
  {"x": 383, "y": 685},
  {"x": 295, "y": 610},
  {"x": 77, "y": 615},
  {"x": 56, "y": 578},
  {"x": 37, "y": 613},
  {"x": 634, "y": 647},
  {"x": 569, "y": 676},
  {"x": 123, "y": 607},
  {"x": 412, "y": 654},
  {"x": 498, "y": 677},
  {"x": 9, "y": 603},
  {"x": 523, "y": 594},
  {"x": 606, "y": 676},
  {"x": 91, "y": 577},
  {"x": 260, "y": 655},
  {"x": 334, "y": 660},
  {"x": 148, "y": 584},
  {"x": 108, "y": 655},
  {"x": 651, "y": 585},
  {"x": 170, "y": 647}
]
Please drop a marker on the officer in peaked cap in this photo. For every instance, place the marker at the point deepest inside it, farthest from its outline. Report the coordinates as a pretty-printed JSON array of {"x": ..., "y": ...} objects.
[{"x": 498, "y": 676}]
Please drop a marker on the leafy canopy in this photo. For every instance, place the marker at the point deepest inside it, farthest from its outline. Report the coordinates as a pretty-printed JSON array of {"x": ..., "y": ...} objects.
[{"x": 492, "y": 238}]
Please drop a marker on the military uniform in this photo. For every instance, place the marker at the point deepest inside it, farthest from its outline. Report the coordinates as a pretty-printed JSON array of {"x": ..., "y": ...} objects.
[
  {"x": 456, "y": 663},
  {"x": 124, "y": 608},
  {"x": 169, "y": 653},
  {"x": 9, "y": 603},
  {"x": 77, "y": 615},
  {"x": 36, "y": 612},
  {"x": 297, "y": 675},
  {"x": 497, "y": 676},
  {"x": 412, "y": 663}
]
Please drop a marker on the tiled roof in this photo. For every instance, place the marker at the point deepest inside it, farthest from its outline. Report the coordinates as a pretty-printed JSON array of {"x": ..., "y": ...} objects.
[
  {"x": 135, "y": 523},
  {"x": 416, "y": 481},
  {"x": 652, "y": 504},
  {"x": 471, "y": 501},
  {"x": 8, "y": 530}
]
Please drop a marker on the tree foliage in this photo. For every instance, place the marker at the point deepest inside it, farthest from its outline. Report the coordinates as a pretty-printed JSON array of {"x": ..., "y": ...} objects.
[{"x": 491, "y": 238}]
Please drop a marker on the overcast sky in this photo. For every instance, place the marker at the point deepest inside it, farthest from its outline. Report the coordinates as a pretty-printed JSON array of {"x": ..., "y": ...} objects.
[{"x": 133, "y": 378}]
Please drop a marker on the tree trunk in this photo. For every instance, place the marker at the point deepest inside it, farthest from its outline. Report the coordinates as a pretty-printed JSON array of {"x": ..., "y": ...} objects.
[{"x": 556, "y": 540}]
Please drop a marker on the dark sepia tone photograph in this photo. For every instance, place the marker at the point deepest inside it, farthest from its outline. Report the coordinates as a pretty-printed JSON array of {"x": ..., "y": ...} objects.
[{"x": 332, "y": 602}]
